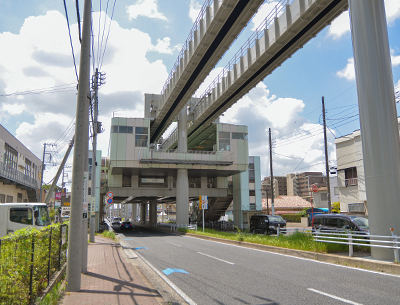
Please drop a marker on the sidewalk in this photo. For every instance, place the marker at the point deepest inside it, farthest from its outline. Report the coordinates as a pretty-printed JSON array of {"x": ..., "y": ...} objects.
[{"x": 111, "y": 279}]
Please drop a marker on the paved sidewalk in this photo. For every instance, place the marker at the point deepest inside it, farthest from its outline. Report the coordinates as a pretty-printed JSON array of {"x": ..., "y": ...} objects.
[{"x": 111, "y": 279}]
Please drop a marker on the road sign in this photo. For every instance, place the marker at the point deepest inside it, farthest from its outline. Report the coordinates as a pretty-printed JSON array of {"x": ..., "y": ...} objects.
[
  {"x": 109, "y": 200},
  {"x": 203, "y": 203},
  {"x": 110, "y": 194},
  {"x": 314, "y": 188}
]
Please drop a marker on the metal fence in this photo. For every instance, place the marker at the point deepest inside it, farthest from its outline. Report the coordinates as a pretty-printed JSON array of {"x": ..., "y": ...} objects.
[{"x": 28, "y": 261}]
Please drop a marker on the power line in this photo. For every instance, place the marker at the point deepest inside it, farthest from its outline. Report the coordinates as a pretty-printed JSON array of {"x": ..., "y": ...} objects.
[
  {"x": 108, "y": 33},
  {"x": 55, "y": 89},
  {"x": 70, "y": 40},
  {"x": 79, "y": 20}
]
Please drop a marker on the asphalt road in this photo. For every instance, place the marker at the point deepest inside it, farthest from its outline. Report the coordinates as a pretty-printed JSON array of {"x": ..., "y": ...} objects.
[{"x": 215, "y": 273}]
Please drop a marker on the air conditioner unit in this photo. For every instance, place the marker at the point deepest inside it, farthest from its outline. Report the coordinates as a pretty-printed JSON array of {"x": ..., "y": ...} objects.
[
  {"x": 192, "y": 185},
  {"x": 209, "y": 185}
]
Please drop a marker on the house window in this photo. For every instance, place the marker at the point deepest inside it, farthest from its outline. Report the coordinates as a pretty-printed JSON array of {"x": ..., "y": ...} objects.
[
  {"x": 121, "y": 129},
  {"x": 2, "y": 198},
  {"x": 252, "y": 206},
  {"x": 324, "y": 196},
  {"x": 28, "y": 167},
  {"x": 9, "y": 199},
  {"x": 350, "y": 175},
  {"x": 141, "y": 136},
  {"x": 19, "y": 197},
  {"x": 239, "y": 136},
  {"x": 224, "y": 140}
]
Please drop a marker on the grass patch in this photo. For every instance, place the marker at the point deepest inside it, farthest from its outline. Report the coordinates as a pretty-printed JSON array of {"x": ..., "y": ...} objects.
[
  {"x": 296, "y": 241},
  {"x": 108, "y": 234},
  {"x": 53, "y": 297}
]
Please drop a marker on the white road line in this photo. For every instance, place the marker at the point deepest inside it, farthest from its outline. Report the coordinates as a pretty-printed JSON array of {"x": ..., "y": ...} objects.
[
  {"x": 170, "y": 283},
  {"x": 172, "y": 243},
  {"x": 300, "y": 258},
  {"x": 217, "y": 258},
  {"x": 334, "y": 297}
]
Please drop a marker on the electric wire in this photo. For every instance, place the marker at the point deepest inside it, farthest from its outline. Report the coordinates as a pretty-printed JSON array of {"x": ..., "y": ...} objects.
[
  {"x": 108, "y": 34},
  {"x": 70, "y": 41},
  {"x": 78, "y": 17},
  {"x": 55, "y": 89}
]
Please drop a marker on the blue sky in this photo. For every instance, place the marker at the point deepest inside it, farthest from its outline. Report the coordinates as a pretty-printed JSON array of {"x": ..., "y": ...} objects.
[{"x": 145, "y": 37}]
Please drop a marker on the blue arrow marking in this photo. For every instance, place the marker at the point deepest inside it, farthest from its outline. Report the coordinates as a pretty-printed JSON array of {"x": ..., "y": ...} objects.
[
  {"x": 168, "y": 271},
  {"x": 140, "y": 248}
]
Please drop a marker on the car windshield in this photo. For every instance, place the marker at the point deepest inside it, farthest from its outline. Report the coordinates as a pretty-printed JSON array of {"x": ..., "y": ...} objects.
[
  {"x": 362, "y": 222},
  {"x": 43, "y": 218},
  {"x": 126, "y": 222},
  {"x": 275, "y": 218}
]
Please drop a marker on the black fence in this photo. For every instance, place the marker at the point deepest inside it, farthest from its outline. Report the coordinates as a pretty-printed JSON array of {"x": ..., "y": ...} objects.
[{"x": 28, "y": 260}]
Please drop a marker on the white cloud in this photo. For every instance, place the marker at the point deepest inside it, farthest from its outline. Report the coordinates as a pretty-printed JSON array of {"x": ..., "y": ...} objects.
[
  {"x": 348, "y": 72},
  {"x": 163, "y": 46},
  {"x": 293, "y": 136},
  {"x": 194, "y": 9},
  {"x": 13, "y": 108},
  {"x": 341, "y": 25},
  {"x": 395, "y": 59},
  {"x": 262, "y": 13},
  {"x": 146, "y": 8},
  {"x": 392, "y": 8}
]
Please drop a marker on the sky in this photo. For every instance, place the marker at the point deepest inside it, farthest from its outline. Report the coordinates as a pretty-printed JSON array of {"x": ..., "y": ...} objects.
[{"x": 136, "y": 43}]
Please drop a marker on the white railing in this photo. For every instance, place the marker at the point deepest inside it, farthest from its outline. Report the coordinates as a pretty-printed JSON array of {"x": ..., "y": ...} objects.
[
  {"x": 195, "y": 155},
  {"x": 356, "y": 239},
  {"x": 176, "y": 226}
]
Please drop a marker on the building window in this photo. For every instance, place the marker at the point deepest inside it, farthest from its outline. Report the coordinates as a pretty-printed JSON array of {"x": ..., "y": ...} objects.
[
  {"x": 350, "y": 175},
  {"x": 28, "y": 167},
  {"x": 224, "y": 140},
  {"x": 2, "y": 198},
  {"x": 239, "y": 136},
  {"x": 126, "y": 181},
  {"x": 19, "y": 197},
  {"x": 141, "y": 136},
  {"x": 324, "y": 196},
  {"x": 10, "y": 157},
  {"x": 252, "y": 206},
  {"x": 9, "y": 199},
  {"x": 121, "y": 129},
  {"x": 252, "y": 192}
]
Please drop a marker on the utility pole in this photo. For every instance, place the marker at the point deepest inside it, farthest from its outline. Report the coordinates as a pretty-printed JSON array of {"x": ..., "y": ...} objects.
[
  {"x": 41, "y": 177},
  {"x": 92, "y": 224},
  {"x": 272, "y": 174},
  {"x": 74, "y": 258},
  {"x": 328, "y": 184}
]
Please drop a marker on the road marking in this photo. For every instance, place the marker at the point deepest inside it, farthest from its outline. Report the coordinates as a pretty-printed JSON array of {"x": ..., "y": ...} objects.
[
  {"x": 169, "y": 271},
  {"x": 334, "y": 297},
  {"x": 172, "y": 243},
  {"x": 217, "y": 258},
  {"x": 138, "y": 248},
  {"x": 170, "y": 283},
  {"x": 299, "y": 258}
]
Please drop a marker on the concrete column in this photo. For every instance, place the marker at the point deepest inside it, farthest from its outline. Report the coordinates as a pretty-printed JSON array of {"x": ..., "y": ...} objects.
[
  {"x": 379, "y": 127},
  {"x": 153, "y": 213},
  {"x": 182, "y": 183},
  {"x": 143, "y": 213},
  {"x": 134, "y": 212}
]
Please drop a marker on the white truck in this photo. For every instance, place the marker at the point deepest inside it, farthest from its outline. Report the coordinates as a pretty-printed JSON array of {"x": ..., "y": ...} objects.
[{"x": 15, "y": 216}]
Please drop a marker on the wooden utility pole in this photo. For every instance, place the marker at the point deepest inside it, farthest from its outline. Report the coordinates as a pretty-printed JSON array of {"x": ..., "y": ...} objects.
[{"x": 328, "y": 185}]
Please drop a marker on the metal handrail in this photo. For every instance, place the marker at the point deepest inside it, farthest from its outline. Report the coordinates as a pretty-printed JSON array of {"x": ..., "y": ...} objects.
[
  {"x": 257, "y": 34},
  {"x": 17, "y": 176}
]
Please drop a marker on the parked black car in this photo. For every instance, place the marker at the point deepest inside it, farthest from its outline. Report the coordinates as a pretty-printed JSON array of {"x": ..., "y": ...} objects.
[
  {"x": 266, "y": 224},
  {"x": 341, "y": 222}
]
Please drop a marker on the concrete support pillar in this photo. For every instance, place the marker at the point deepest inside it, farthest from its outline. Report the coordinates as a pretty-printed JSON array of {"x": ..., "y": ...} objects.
[
  {"x": 182, "y": 183},
  {"x": 379, "y": 127},
  {"x": 153, "y": 213},
  {"x": 143, "y": 213}
]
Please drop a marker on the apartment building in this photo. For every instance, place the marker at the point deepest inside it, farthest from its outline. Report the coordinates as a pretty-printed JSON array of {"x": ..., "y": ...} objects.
[
  {"x": 299, "y": 184},
  {"x": 20, "y": 170},
  {"x": 280, "y": 186}
]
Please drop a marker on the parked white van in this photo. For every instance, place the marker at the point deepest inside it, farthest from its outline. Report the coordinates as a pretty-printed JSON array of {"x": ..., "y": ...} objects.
[{"x": 15, "y": 216}]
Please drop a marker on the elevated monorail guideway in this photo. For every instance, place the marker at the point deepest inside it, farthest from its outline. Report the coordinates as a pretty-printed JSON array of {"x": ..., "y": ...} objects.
[
  {"x": 217, "y": 26},
  {"x": 285, "y": 30}
]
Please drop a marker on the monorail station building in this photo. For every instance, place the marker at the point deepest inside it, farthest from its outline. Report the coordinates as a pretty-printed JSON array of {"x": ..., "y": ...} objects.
[{"x": 178, "y": 170}]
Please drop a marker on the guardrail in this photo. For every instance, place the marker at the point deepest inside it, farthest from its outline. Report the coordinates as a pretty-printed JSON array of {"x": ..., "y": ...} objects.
[
  {"x": 356, "y": 239},
  {"x": 15, "y": 175},
  {"x": 176, "y": 226}
]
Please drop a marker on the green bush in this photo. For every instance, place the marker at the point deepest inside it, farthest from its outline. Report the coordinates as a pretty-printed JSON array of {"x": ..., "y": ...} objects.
[
  {"x": 336, "y": 207},
  {"x": 292, "y": 217},
  {"x": 16, "y": 262}
]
